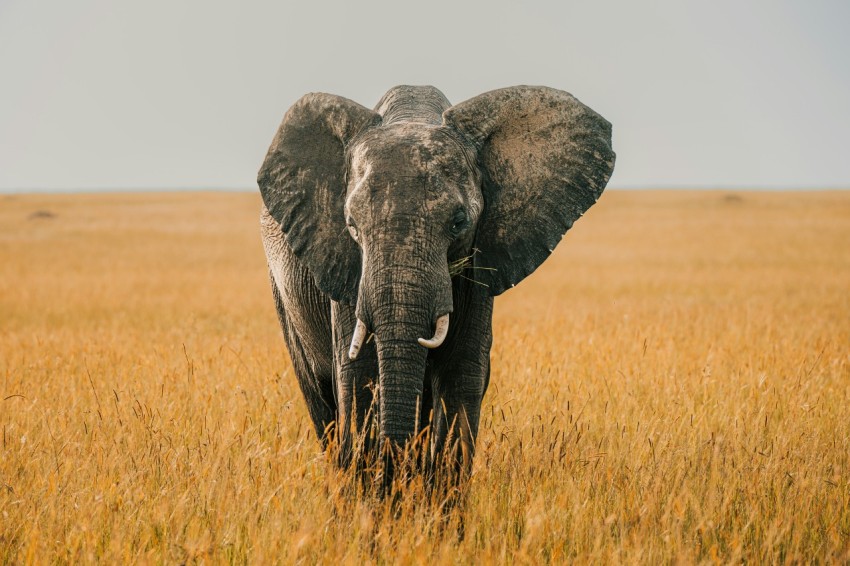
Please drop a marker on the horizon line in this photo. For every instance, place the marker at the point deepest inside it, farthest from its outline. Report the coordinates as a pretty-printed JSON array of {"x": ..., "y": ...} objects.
[{"x": 89, "y": 190}]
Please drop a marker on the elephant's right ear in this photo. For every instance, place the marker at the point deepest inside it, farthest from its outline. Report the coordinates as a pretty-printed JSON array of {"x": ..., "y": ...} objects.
[{"x": 303, "y": 185}]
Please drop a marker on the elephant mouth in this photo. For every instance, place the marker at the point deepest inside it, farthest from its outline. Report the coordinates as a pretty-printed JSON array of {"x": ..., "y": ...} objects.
[{"x": 440, "y": 332}]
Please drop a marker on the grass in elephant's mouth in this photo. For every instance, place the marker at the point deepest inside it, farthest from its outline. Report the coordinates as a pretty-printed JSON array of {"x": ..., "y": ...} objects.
[
  {"x": 463, "y": 266},
  {"x": 671, "y": 386},
  {"x": 458, "y": 266}
]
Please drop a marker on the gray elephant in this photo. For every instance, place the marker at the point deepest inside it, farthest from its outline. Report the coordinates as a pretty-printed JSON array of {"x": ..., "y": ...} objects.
[{"x": 388, "y": 232}]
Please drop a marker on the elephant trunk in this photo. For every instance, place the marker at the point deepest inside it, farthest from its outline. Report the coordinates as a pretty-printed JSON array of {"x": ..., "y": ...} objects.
[
  {"x": 402, "y": 367},
  {"x": 401, "y": 363},
  {"x": 401, "y": 306}
]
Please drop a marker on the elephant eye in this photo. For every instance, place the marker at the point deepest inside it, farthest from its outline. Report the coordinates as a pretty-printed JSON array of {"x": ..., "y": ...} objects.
[{"x": 459, "y": 222}]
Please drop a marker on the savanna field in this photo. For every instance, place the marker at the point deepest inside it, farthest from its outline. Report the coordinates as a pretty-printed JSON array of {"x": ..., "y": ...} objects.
[{"x": 673, "y": 385}]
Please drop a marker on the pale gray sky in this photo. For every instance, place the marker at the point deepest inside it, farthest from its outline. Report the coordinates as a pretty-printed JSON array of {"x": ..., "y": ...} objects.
[{"x": 104, "y": 94}]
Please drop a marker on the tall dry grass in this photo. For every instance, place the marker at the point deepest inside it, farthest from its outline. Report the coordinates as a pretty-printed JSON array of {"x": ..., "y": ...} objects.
[{"x": 672, "y": 385}]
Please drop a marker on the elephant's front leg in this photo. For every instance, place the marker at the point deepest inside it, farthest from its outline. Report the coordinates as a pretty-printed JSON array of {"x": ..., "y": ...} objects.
[
  {"x": 456, "y": 413},
  {"x": 355, "y": 382},
  {"x": 460, "y": 373}
]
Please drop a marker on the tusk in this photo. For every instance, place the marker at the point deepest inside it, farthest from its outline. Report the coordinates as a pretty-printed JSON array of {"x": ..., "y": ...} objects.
[
  {"x": 357, "y": 339},
  {"x": 439, "y": 334}
]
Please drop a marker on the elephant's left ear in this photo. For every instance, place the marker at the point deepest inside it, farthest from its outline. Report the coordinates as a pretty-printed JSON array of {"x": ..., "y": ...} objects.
[{"x": 545, "y": 159}]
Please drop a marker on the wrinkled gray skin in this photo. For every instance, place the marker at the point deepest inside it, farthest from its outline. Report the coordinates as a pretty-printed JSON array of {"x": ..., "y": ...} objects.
[{"x": 365, "y": 209}]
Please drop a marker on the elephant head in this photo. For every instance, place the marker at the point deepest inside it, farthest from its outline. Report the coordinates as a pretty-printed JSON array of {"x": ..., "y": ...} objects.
[{"x": 378, "y": 204}]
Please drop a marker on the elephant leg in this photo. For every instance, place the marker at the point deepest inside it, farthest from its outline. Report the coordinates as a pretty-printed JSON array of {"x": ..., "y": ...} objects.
[
  {"x": 460, "y": 374},
  {"x": 317, "y": 389},
  {"x": 456, "y": 412},
  {"x": 356, "y": 381},
  {"x": 459, "y": 389}
]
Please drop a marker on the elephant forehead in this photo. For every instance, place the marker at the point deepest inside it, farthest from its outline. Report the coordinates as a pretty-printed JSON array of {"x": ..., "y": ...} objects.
[
  {"x": 402, "y": 150},
  {"x": 406, "y": 169}
]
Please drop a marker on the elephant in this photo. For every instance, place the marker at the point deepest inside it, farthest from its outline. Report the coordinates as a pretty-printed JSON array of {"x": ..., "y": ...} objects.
[{"x": 388, "y": 233}]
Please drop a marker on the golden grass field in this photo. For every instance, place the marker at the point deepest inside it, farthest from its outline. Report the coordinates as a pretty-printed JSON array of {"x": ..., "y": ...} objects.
[{"x": 673, "y": 385}]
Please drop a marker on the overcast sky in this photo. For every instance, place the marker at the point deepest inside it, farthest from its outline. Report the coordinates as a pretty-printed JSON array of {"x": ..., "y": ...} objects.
[{"x": 158, "y": 94}]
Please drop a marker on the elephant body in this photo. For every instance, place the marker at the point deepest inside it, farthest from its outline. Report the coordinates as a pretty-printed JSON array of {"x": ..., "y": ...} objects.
[
  {"x": 386, "y": 223},
  {"x": 318, "y": 331}
]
